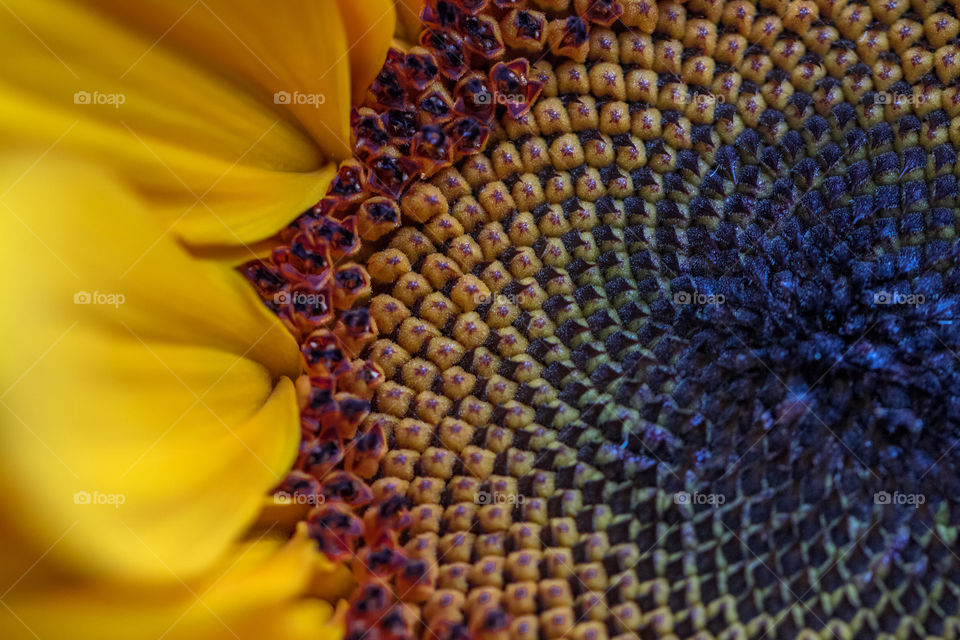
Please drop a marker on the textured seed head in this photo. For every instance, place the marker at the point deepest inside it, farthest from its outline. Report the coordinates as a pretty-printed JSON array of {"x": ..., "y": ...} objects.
[{"x": 637, "y": 319}]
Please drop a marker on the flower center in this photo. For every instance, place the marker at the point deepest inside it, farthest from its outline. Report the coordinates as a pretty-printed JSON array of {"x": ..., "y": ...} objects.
[{"x": 638, "y": 319}]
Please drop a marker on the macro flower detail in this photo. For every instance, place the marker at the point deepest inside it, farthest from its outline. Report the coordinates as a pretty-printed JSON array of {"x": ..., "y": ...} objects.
[
  {"x": 148, "y": 402},
  {"x": 480, "y": 319},
  {"x": 659, "y": 338}
]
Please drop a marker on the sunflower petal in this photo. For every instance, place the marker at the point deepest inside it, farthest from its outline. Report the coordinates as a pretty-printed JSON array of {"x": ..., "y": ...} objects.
[
  {"x": 408, "y": 19},
  {"x": 225, "y": 114},
  {"x": 147, "y": 395},
  {"x": 370, "y": 25},
  {"x": 256, "y": 591}
]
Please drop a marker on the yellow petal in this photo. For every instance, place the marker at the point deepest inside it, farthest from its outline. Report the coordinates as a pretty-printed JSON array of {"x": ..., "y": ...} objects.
[
  {"x": 257, "y": 591},
  {"x": 370, "y": 25},
  {"x": 408, "y": 20},
  {"x": 224, "y": 113},
  {"x": 147, "y": 401}
]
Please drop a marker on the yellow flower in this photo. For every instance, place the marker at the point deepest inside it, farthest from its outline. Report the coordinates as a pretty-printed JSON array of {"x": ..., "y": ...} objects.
[
  {"x": 627, "y": 373},
  {"x": 146, "y": 395},
  {"x": 408, "y": 21}
]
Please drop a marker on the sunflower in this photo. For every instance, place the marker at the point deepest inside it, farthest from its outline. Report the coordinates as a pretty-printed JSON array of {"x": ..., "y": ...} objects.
[
  {"x": 635, "y": 319},
  {"x": 148, "y": 399},
  {"x": 617, "y": 319}
]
